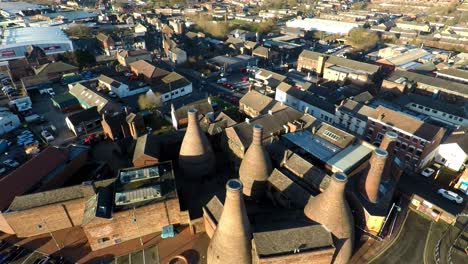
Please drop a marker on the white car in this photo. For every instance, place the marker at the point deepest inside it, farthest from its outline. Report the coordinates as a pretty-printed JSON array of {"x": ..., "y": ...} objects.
[
  {"x": 222, "y": 80},
  {"x": 11, "y": 163},
  {"x": 451, "y": 196},
  {"x": 47, "y": 135},
  {"x": 427, "y": 172}
]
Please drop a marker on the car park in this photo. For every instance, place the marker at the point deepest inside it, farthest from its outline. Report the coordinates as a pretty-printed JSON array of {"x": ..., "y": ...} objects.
[
  {"x": 427, "y": 172},
  {"x": 454, "y": 197},
  {"x": 11, "y": 163}
]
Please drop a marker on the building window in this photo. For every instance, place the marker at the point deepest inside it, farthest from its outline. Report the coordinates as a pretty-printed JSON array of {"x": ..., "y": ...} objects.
[
  {"x": 407, "y": 157},
  {"x": 415, "y": 140},
  {"x": 427, "y": 109},
  {"x": 413, "y": 105},
  {"x": 420, "y": 107},
  {"x": 407, "y": 137},
  {"x": 418, "y": 152},
  {"x": 384, "y": 127},
  {"x": 444, "y": 114},
  {"x": 398, "y": 144},
  {"x": 411, "y": 149},
  {"x": 450, "y": 116},
  {"x": 403, "y": 146},
  {"x": 434, "y": 111},
  {"x": 102, "y": 240},
  {"x": 182, "y": 90}
]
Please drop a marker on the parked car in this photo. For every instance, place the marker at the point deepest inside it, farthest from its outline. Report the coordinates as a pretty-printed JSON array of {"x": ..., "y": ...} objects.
[
  {"x": 227, "y": 85},
  {"x": 222, "y": 80},
  {"x": 244, "y": 79},
  {"x": 427, "y": 172},
  {"x": 454, "y": 197},
  {"x": 2, "y": 170},
  {"x": 11, "y": 163},
  {"x": 112, "y": 94},
  {"x": 47, "y": 136}
]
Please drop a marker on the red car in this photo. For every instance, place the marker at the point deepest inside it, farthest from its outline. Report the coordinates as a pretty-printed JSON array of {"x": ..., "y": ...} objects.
[
  {"x": 244, "y": 79},
  {"x": 227, "y": 85}
]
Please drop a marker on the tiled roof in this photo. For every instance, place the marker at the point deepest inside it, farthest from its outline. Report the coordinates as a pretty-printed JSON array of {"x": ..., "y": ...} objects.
[
  {"x": 406, "y": 123},
  {"x": 22, "y": 179},
  {"x": 307, "y": 97},
  {"x": 260, "y": 103},
  {"x": 432, "y": 81},
  {"x": 54, "y": 67},
  {"x": 359, "y": 110},
  {"x": 25, "y": 202},
  {"x": 309, "y": 173},
  {"x": 310, "y": 54},
  {"x": 86, "y": 115},
  {"x": 148, "y": 70},
  {"x": 203, "y": 107},
  {"x": 147, "y": 145},
  {"x": 294, "y": 192}
]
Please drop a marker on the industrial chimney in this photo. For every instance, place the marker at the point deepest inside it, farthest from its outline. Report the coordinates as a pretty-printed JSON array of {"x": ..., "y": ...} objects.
[
  {"x": 255, "y": 167},
  {"x": 231, "y": 241},
  {"x": 331, "y": 210},
  {"x": 388, "y": 144},
  {"x": 374, "y": 175},
  {"x": 196, "y": 156}
]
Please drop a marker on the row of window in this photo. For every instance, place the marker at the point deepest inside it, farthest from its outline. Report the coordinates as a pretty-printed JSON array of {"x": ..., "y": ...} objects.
[
  {"x": 427, "y": 109},
  {"x": 415, "y": 140},
  {"x": 174, "y": 93}
]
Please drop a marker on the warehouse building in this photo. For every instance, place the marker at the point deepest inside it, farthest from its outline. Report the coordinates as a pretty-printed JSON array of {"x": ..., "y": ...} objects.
[{"x": 15, "y": 41}]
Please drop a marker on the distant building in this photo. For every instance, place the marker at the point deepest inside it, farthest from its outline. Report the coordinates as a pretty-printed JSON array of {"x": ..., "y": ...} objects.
[
  {"x": 337, "y": 69},
  {"x": 126, "y": 57},
  {"x": 55, "y": 70},
  {"x": 121, "y": 88},
  {"x": 404, "y": 81},
  {"x": 106, "y": 42},
  {"x": 147, "y": 71},
  {"x": 254, "y": 104},
  {"x": 65, "y": 102},
  {"x": 147, "y": 151},
  {"x": 83, "y": 121},
  {"x": 15, "y": 41},
  {"x": 171, "y": 86},
  {"x": 305, "y": 102}
]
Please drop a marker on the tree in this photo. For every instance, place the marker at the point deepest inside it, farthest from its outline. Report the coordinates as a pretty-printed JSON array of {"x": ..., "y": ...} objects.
[
  {"x": 362, "y": 39},
  {"x": 79, "y": 31},
  {"x": 266, "y": 26},
  {"x": 146, "y": 102}
]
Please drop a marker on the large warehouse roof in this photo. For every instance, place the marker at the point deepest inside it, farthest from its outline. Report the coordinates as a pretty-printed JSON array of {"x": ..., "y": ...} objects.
[
  {"x": 329, "y": 26},
  {"x": 32, "y": 36}
]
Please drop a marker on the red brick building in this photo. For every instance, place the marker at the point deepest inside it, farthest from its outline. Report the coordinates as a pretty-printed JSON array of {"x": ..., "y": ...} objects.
[{"x": 417, "y": 139}]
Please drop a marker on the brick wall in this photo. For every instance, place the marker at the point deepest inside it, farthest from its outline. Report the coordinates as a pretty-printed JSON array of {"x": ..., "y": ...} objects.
[
  {"x": 102, "y": 233},
  {"x": 46, "y": 219}
]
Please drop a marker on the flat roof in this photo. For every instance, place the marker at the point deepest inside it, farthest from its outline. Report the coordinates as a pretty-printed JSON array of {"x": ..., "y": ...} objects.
[
  {"x": 35, "y": 35},
  {"x": 314, "y": 145},
  {"x": 346, "y": 159}
]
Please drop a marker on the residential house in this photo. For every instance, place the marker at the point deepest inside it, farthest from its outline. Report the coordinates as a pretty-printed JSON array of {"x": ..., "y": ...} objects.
[
  {"x": 352, "y": 116},
  {"x": 412, "y": 25},
  {"x": 147, "y": 71},
  {"x": 179, "y": 117},
  {"x": 404, "y": 82},
  {"x": 171, "y": 86},
  {"x": 417, "y": 140},
  {"x": 84, "y": 121},
  {"x": 268, "y": 79},
  {"x": 55, "y": 70},
  {"x": 453, "y": 152},
  {"x": 106, "y": 42},
  {"x": 305, "y": 102},
  {"x": 122, "y": 87},
  {"x": 8, "y": 121},
  {"x": 147, "y": 151},
  {"x": 266, "y": 54},
  {"x": 89, "y": 98},
  {"x": 242, "y": 34},
  {"x": 126, "y": 57},
  {"x": 121, "y": 125},
  {"x": 254, "y": 104},
  {"x": 177, "y": 55}
]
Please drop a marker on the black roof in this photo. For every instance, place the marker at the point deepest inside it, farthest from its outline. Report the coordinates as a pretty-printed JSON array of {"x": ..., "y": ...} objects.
[{"x": 86, "y": 115}]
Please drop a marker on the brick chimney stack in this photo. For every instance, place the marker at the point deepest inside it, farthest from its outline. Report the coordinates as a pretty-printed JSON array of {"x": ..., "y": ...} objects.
[
  {"x": 256, "y": 167},
  {"x": 388, "y": 144},
  {"x": 196, "y": 157},
  {"x": 231, "y": 241},
  {"x": 331, "y": 209},
  {"x": 374, "y": 175}
]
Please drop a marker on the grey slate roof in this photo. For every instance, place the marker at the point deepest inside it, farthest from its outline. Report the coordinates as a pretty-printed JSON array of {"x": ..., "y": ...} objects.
[{"x": 147, "y": 145}]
